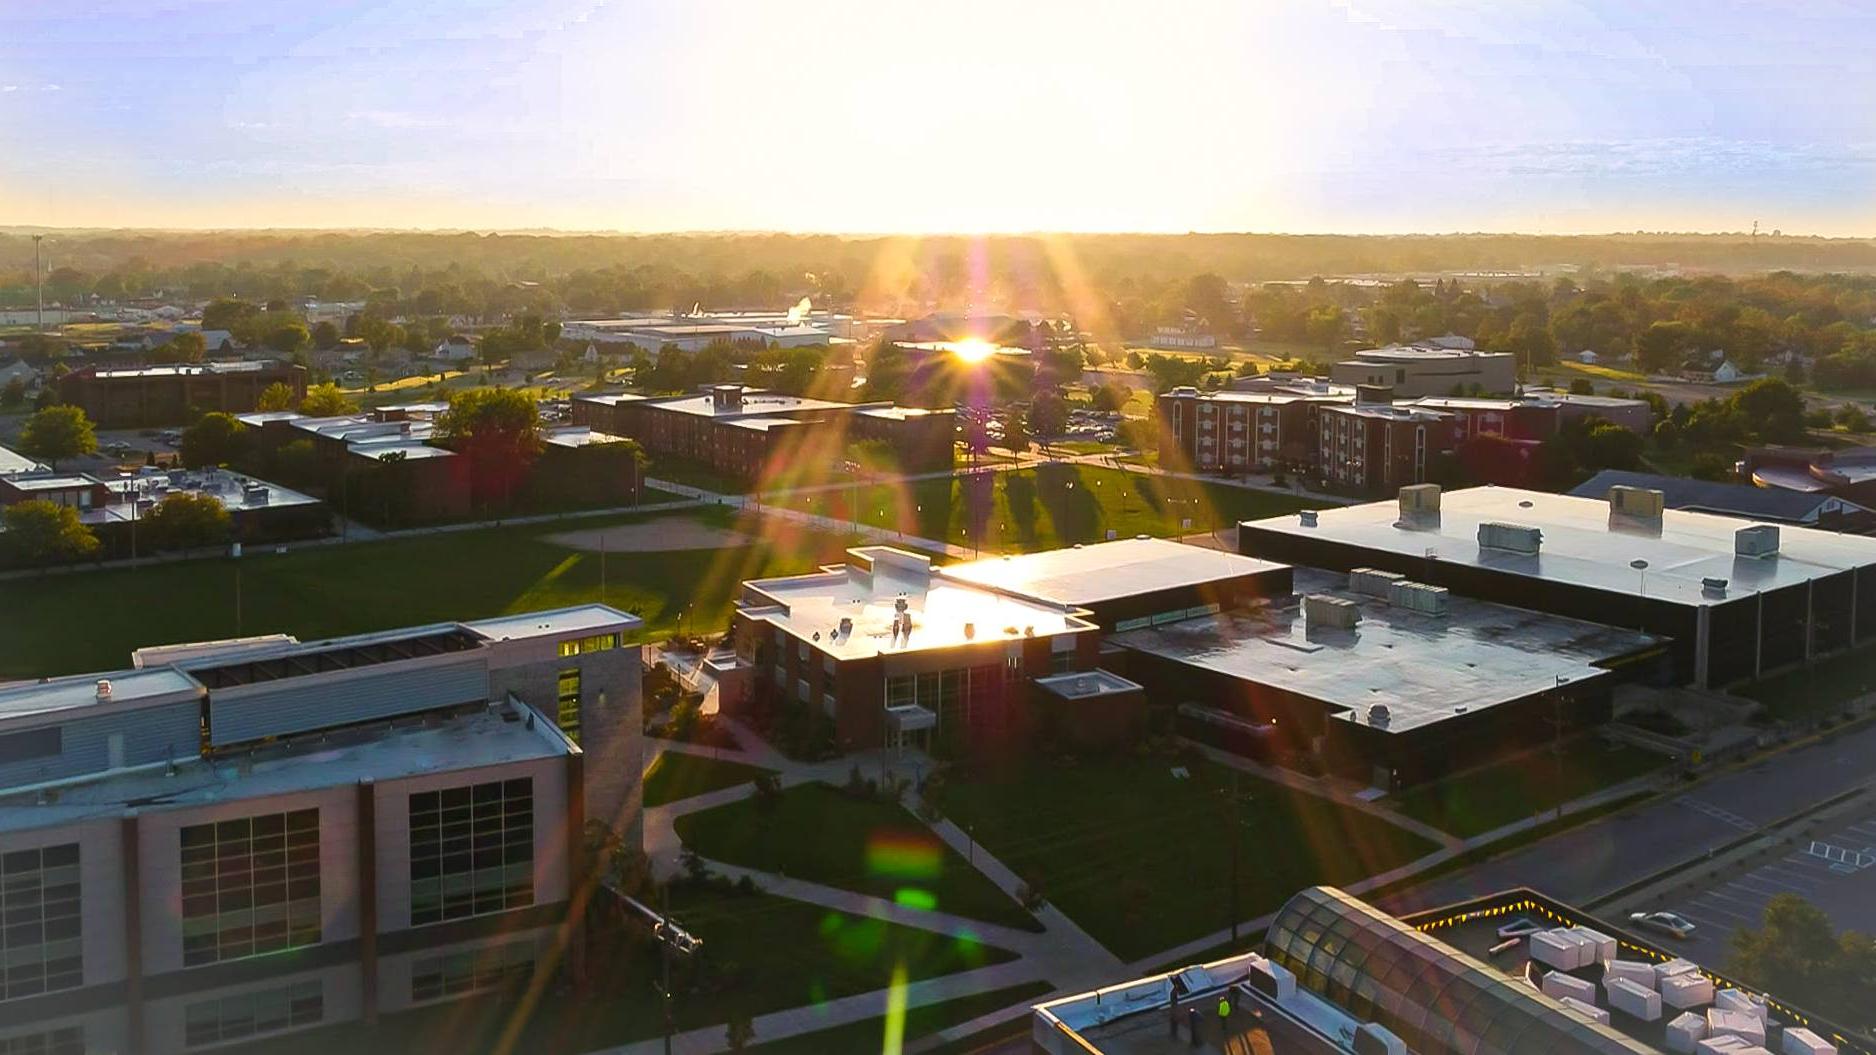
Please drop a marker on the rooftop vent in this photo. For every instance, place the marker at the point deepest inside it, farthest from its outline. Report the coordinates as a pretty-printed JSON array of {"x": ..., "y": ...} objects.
[
  {"x": 970, "y": 631},
  {"x": 1378, "y": 715},
  {"x": 1308, "y": 517},
  {"x": 1373, "y": 582},
  {"x": 104, "y": 688},
  {"x": 1516, "y": 538},
  {"x": 1713, "y": 586},
  {"x": 1756, "y": 540},
  {"x": 1636, "y": 502},
  {"x": 1321, "y": 609},
  {"x": 1419, "y": 498},
  {"x": 846, "y": 625}
]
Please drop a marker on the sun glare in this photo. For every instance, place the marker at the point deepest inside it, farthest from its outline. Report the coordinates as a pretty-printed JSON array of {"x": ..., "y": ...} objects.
[{"x": 972, "y": 350}]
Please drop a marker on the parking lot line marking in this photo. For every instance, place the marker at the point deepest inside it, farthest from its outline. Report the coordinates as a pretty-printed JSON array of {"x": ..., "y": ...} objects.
[{"x": 1706, "y": 912}]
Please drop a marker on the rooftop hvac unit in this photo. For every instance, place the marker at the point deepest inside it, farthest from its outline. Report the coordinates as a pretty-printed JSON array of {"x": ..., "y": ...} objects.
[
  {"x": 1756, "y": 540},
  {"x": 1420, "y": 498},
  {"x": 1374, "y": 1039},
  {"x": 1378, "y": 715},
  {"x": 254, "y": 496},
  {"x": 1515, "y": 538},
  {"x": 1713, "y": 586},
  {"x": 1307, "y": 517},
  {"x": 1323, "y": 610},
  {"x": 1636, "y": 502},
  {"x": 104, "y": 688},
  {"x": 1418, "y": 597},
  {"x": 1373, "y": 581}
]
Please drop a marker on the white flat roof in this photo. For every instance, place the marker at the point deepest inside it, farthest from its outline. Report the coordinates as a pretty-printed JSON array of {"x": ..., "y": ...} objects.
[
  {"x": 1584, "y": 545},
  {"x": 1105, "y": 571},
  {"x": 867, "y": 591},
  {"x": 558, "y": 622},
  {"x": 15, "y": 462},
  {"x": 155, "y": 685}
]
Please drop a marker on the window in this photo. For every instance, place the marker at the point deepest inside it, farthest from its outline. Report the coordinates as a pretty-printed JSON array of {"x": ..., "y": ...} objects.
[
  {"x": 1061, "y": 662},
  {"x": 568, "y": 712},
  {"x": 471, "y": 970},
  {"x": 900, "y": 691},
  {"x": 250, "y": 886},
  {"x": 67, "y": 1041},
  {"x": 40, "y": 943},
  {"x": 582, "y": 645},
  {"x": 471, "y": 850},
  {"x": 801, "y": 690},
  {"x": 34, "y": 743},
  {"x": 253, "y": 1014}
]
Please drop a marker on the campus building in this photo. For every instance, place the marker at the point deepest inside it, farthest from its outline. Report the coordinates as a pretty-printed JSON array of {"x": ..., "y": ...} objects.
[
  {"x": 1735, "y": 600},
  {"x": 1803, "y": 508},
  {"x": 1380, "y": 679},
  {"x": 119, "y": 397},
  {"x": 1429, "y": 369},
  {"x": 1514, "y": 971},
  {"x": 113, "y": 506},
  {"x": 893, "y": 651},
  {"x": 1231, "y": 431},
  {"x": 1374, "y": 447},
  {"x": 232, "y": 840},
  {"x": 742, "y": 431}
]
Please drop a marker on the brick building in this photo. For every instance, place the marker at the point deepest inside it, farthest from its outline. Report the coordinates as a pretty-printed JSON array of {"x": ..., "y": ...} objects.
[
  {"x": 739, "y": 431},
  {"x": 1372, "y": 447},
  {"x": 1239, "y": 431},
  {"x": 174, "y": 395}
]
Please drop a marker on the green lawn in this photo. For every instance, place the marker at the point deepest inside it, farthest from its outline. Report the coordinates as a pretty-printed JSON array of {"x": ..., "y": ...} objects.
[
  {"x": 1822, "y": 690},
  {"x": 823, "y": 835},
  {"x": 675, "y": 775},
  {"x": 1479, "y": 800},
  {"x": 860, "y": 1038},
  {"x": 1084, "y": 447},
  {"x": 1048, "y": 506},
  {"x": 761, "y": 953},
  {"x": 1141, "y": 859},
  {"x": 62, "y": 624}
]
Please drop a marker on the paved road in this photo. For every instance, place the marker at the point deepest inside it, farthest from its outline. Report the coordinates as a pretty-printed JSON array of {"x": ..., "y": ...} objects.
[{"x": 1587, "y": 862}]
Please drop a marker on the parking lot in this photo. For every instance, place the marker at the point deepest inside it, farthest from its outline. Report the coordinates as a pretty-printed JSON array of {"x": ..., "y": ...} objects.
[{"x": 1833, "y": 868}]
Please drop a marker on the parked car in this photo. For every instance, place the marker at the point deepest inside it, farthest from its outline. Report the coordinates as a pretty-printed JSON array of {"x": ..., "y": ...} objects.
[{"x": 1669, "y": 923}]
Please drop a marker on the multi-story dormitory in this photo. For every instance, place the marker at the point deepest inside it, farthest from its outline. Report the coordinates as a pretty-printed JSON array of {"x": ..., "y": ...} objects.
[{"x": 236, "y": 839}]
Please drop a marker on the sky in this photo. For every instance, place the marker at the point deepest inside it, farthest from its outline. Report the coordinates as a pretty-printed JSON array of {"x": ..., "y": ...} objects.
[{"x": 1350, "y": 116}]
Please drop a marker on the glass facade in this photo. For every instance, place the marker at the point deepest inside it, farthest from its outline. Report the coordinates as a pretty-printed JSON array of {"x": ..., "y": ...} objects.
[
  {"x": 40, "y": 945},
  {"x": 250, "y": 886},
  {"x": 568, "y": 699},
  {"x": 471, "y": 850},
  {"x": 1434, "y": 997},
  {"x": 469, "y": 970},
  {"x": 67, "y": 1041},
  {"x": 580, "y": 646},
  {"x": 253, "y": 1014}
]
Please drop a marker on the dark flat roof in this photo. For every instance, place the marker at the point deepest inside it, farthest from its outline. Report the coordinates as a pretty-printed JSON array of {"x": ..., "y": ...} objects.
[{"x": 1425, "y": 668}]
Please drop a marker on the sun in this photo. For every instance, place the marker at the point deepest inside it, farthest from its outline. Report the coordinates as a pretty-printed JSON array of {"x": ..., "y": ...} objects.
[{"x": 973, "y": 350}]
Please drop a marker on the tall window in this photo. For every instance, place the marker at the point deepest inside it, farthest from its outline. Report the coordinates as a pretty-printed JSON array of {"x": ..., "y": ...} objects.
[
  {"x": 579, "y": 646},
  {"x": 69, "y": 1040},
  {"x": 469, "y": 970},
  {"x": 471, "y": 850},
  {"x": 250, "y": 886},
  {"x": 569, "y": 697},
  {"x": 253, "y": 1014},
  {"x": 40, "y": 944}
]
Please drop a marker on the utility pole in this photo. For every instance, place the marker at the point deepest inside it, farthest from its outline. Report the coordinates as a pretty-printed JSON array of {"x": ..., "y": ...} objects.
[
  {"x": 1234, "y": 822},
  {"x": 664, "y": 958},
  {"x": 39, "y": 286}
]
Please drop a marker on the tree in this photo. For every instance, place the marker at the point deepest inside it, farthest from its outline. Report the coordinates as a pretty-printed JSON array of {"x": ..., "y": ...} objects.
[
  {"x": 1772, "y": 410},
  {"x": 1610, "y": 446},
  {"x": 1048, "y": 415},
  {"x": 227, "y": 313},
  {"x": 1110, "y": 396},
  {"x": 887, "y": 375},
  {"x": 325, "y": 401},
  {"x": 57, "y": 432},
  {"x": 277, "y": 396},
  {"x": 1015, "y": 433},
  {"x": 215, "y": 439},
  {"x": 186, "y": 520},
  {"x": 13, "y": 394},
  {"x": 497, "y": 429},
  {"x": 288, "y": 337},
  {"x": 740, "y": 1030},
  {"x": 42, "y": 532},
  {"x": 1325, "y": 325},
  {"x": 182, "y": 348},
  {"x": 1796, "y": 950},
  {"x": 325, "y": 335}
]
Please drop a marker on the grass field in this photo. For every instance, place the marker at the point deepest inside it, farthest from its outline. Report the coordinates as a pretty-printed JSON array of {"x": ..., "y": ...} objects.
[
  {"x": 861, "y": 1038},
  {"x": 1048, "y": 506},
  {"x": 61, "y": 624},
  {"x": 675, "y": 775},
  {"x": 820, "y": 834},
  {"x": 1479, "y": 800},
  {"x": 1599, "y": 372},
  {"x": 1141, "y": 859},
  {"x": 769, "y": 952}
]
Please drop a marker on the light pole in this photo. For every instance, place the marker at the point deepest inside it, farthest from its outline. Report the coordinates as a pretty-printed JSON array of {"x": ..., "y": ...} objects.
[{"x": 39, "y": 286}]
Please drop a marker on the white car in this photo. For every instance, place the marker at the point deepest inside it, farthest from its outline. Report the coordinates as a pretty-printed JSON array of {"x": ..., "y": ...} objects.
[{"x": 1665, "y": 922}]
